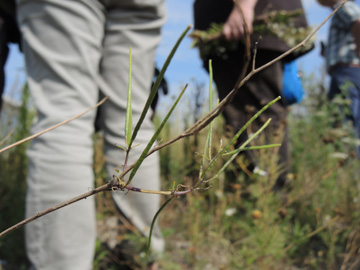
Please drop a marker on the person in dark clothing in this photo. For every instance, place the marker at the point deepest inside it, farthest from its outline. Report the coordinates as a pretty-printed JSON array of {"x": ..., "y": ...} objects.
[
  {"x": 9, "y": 33},
  {"x": 263, "y": 86},
  {"x": 342, "y": 55}
]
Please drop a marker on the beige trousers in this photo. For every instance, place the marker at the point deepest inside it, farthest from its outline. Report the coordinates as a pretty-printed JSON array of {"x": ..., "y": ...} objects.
[{"x": 77, "y": 51}]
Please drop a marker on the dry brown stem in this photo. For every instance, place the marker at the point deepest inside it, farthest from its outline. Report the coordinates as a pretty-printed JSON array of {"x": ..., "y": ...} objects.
[
  {"x": 194, "y": 129},
  {"x": 51, "y": 128}
]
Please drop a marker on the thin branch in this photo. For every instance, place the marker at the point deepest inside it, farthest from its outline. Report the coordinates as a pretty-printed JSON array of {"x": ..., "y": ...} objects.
[
  {"x": 7, "y": 136},
  {"x": 56, "y": 207},
  {"x": 107, "y": 187},
  {"x": 51, "y": 128},
  {"x": 190, "y": 131},
  {"x": 301, "y": 44},
  {"x": 254, "y": 58},
  {"x": 201, "y": 123}
]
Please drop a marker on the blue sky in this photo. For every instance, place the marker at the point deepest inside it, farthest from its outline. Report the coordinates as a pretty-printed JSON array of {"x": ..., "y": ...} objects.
[{"x": 186, "y": 64}]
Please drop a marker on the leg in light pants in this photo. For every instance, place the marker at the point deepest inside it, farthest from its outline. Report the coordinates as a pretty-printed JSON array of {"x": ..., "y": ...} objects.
[{"x": 73, "y": 49}]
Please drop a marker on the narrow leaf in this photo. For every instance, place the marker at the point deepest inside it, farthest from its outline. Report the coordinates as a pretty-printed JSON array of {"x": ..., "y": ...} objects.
[
  {"x": 153, "y": 222},
  {"x": 128, "y": 120},
  {"x": 153, "y": 139},
  {"x": 210, "y": 105},
  {"x": 208, "y": 145},
  {"x": 256, "y": 147},
  {"x": 242, "y": 147},
  {"x": 156, "y": 85},
  {"x": 252, "y": 120},
  {"x": 235, "y": 138}
]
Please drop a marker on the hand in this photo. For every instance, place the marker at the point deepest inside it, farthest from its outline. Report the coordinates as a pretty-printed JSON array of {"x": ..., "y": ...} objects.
[{"x": 234, "y": 26}]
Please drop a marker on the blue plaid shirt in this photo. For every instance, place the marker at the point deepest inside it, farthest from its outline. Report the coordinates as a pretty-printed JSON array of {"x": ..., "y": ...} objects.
[{"x": 341, "y": 47}]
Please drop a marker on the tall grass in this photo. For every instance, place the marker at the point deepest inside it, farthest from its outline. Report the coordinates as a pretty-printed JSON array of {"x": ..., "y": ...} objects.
[
  {"x": 240, "y": 223},
  {"x": 13, "y": 170}
]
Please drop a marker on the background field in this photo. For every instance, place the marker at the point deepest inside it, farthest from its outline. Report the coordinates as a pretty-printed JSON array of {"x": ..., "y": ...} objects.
[{"x": 240, "y": 223}]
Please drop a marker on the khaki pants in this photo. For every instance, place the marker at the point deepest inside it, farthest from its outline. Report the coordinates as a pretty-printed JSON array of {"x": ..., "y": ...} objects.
[{"x": 76, "y": 52}]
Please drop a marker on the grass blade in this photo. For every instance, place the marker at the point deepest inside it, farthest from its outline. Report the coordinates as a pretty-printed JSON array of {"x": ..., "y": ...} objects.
[
  {"x": 255, "y": 147},
  {"x": 208, "y": 144},
  {"x": 156, "y": 85},
  {"x": 128, "y": 120},
  {"x": 233, "y": 140},
  {"x": 153, "y": 138},
  {"x": 210, "y": 105},
  {"x": 153, "y": 222},
  {"x": 241, "y": 148},
  {"x": 251, "y": 120}
]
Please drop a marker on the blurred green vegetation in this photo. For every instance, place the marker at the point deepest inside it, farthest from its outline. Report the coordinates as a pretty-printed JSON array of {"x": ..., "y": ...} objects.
[
  {"x": 13, "y": 170},
  {"x": 240, "y": 223}
]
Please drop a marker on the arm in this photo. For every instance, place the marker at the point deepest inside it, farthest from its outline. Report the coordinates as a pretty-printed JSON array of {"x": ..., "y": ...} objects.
[
  {"x": 234, "y": 26},
  {"x": 355, "y": 30}
]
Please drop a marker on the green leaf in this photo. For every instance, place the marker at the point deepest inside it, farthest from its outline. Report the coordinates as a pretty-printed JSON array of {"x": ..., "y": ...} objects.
[
  {"x": 128, "y": 120},
  {"x": 210, "y": 105},
  {"x": 208, "y": 145},
  {"x": 251, "y": 120},
  {"x": 153, "y": 139},
  {"x": 121, "y": 147},
  {"x": 236, "y": 152},
  {"x": 259, "y": 147},
  {"x": 234, "y": 139},
  {"x": 156, "y": 86},
  {"x": 153, "y": 222}
]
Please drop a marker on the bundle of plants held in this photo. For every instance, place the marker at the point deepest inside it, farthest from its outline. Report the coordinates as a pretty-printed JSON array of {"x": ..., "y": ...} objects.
[{"x": 281, "y": 24}]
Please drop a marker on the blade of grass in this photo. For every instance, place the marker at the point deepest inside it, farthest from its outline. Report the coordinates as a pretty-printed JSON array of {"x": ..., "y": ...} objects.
[
  {"x": 153, "y": 138},
  {"x": 210, "y": 106},
  {"x": 156, "y": 85},
  {"x": 153, "y": 223},
  {"x": 241, "y": 149},
  {"x": 207, "y": 145},
  {"x": 251, "y": 120},
  {"x": 233, "y": 140},
  {"x": 256, "y": 147},
  {"x": 128, "y": 120}
]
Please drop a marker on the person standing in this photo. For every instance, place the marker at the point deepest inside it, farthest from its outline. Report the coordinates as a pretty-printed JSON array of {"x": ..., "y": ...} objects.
[
  {"x": 263, "y": 86},
  {"x": 342, "y": 54},
  {"x": 76, "y": 52}
]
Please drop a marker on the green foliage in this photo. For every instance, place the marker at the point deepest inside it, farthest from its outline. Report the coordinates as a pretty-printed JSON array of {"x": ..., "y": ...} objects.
[
  {"x": 147, "y": 106},
  {"x": 211, "y": 43},
  {"x": 13, "y": 170},
  {"x": 100, "y": 255},
  {"x": 128, "y": 122},
  {"x": 280, "y": 24},
  {"x": 242, "y": 224}
]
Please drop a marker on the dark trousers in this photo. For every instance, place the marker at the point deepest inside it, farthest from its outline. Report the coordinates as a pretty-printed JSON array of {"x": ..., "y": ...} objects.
[
  {"x": 255, "y": 94},
  {"x": 9, "y": 33},
  {"x": 346, "y": 80}
]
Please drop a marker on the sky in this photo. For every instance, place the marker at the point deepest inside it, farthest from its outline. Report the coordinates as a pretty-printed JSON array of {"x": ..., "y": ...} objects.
[{"x": 186, "y": 64}]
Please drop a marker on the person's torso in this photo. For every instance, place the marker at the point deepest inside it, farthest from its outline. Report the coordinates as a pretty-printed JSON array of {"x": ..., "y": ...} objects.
[{"x": 341, "y": 48}]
